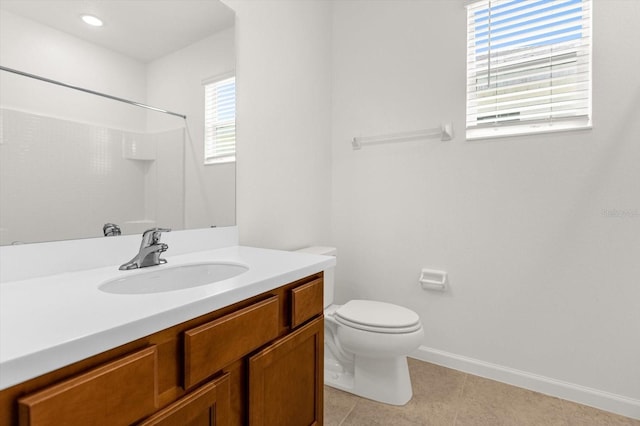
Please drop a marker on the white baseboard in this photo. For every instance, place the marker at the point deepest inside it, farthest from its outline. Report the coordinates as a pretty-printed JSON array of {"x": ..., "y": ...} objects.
[{"x": 602, "y": 400}]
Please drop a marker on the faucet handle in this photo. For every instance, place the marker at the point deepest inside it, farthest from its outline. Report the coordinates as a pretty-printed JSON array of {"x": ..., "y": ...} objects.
[
  {"x": 152, "y": 236},
  {"x": 111, "y": 229}
]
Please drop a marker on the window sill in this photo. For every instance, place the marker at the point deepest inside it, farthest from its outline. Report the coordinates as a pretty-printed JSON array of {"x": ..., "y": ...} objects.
[
  {"x": 222, "y": 160},
  {"x": 473, "y": 134}
]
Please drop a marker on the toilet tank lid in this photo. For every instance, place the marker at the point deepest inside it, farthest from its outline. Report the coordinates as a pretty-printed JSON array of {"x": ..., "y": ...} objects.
[{"x": 323, "y": 250}]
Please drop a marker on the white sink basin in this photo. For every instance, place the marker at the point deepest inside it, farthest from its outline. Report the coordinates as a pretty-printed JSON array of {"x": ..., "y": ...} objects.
[{"x": 160, "y": 279}]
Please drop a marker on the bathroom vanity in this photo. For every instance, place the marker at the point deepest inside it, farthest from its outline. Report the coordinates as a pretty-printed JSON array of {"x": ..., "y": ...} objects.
[{"x": 245, "y": 350}]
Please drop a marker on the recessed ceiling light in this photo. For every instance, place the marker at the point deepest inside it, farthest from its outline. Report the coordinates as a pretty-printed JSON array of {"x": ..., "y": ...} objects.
[{"x": 92, "y": 20}]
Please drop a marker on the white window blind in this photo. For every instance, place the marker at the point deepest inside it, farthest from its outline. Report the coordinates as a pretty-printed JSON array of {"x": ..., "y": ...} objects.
[
  {"x": 220, "y": 121},
  {"x": 528, "y": 66}
]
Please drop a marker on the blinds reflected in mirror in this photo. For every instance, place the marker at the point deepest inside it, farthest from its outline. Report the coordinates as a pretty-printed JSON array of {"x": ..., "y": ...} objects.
[{"x": 220, "y": 121}]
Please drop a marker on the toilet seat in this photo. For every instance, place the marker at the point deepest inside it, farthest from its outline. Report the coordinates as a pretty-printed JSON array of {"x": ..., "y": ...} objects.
[{"x": 377, "y": 317}]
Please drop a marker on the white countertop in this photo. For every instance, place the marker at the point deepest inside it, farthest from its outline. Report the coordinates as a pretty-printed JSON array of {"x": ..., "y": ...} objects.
[{"x": 53, "y": 321}]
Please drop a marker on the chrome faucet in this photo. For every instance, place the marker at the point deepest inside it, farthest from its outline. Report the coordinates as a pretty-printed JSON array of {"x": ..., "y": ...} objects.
[
  {"x": 150, "y": 250},
  {"x": 111, "y": 230}
]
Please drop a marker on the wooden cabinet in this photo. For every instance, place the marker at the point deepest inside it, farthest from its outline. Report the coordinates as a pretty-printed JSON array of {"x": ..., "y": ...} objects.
[
  {"x": 211, "y": 346},
  {"x": 209, "y": 405},
  {"x": 306, "y": 302},
  {"x": 256, "y": 362},
  {"x": 120, "y": 392},
  {"x": 286, "y": 380}
]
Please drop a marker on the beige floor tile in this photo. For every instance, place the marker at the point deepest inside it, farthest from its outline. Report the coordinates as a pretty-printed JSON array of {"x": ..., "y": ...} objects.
[
  {"x": 581, "y": 415},
  {"x": 337, "y": 405},
  {"x": 445, "y": 397},
  {"x": 477, "y": 413},
  {"x": 371, "y": 413},
  {"x": 434, "y": 383},
  {"x": 436, "y": 392},
  {"x": 507, "y": 405}
]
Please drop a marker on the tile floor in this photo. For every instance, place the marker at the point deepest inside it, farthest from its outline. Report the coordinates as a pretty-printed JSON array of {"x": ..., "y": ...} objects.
[{"x": 442, "y": 396}]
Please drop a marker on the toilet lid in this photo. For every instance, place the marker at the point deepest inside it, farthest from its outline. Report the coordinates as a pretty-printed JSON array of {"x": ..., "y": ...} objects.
[{"x": 376, "y": 316}]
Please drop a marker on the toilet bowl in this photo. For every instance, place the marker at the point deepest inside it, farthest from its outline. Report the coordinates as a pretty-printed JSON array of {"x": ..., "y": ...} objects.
[{"x": 366, "y": 344}]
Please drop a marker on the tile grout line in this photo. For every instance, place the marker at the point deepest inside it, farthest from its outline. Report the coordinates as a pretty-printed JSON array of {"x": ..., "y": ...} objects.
[
  {"x": 564, "y": 411},
  {"x": 458, "y": 402},
  {"x": 348, "y": 414}
]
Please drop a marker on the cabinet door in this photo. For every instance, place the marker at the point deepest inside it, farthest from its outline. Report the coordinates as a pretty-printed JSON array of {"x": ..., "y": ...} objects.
[
  {"x": 209, "y": 405},
  {"x": 286, "y": 379}
]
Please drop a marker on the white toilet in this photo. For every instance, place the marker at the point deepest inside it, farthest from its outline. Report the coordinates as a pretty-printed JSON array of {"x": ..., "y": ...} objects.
[{"x": 366, "y": 344}]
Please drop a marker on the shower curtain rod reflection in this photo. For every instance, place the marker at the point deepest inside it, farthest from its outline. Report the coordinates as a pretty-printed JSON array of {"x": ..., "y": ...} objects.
[{"x": 82, "y": 89}]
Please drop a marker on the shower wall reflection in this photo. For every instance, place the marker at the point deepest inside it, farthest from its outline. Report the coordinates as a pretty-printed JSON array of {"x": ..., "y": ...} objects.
[
  {"x": 61, "y": 179},
  {"x": 73, "y": 161}
]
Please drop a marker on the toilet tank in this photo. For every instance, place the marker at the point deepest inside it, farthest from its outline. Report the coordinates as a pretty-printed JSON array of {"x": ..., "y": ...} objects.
[{"x": 329, "y": 273}]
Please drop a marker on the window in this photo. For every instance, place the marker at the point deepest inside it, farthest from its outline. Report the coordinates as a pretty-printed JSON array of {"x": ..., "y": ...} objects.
[
  {"x": 528, "y": 66},
  {"x": 220, "y": 120}
]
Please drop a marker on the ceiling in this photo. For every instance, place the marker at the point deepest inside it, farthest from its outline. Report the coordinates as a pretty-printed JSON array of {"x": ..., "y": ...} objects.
[{"x": 141, "y": 29}]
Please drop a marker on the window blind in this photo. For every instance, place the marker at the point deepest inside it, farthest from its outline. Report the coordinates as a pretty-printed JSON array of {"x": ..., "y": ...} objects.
[
  {"x": 528, "y": 66},
  {"x": 220, "y": 121}
]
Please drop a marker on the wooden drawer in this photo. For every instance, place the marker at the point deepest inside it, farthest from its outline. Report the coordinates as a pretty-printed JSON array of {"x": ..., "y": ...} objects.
[
  {"x": 306, "y": 302},
  {"x": 212, "y": 346},
  {"x": 117, "y": 393},
  {"x": 210, "y": 404}
]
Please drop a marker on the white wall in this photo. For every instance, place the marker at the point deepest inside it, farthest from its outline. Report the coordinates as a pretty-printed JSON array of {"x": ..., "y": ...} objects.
[
  {"x": 38, "y": 49},
  {"x": 283, "y": 127},
  {"x": 174, "y": 82},
  {"x": 542, "y": 279}
]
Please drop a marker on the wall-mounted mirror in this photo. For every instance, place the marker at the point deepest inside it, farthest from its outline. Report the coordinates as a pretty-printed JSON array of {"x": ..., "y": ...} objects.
[{"x": 70, "y": 161}]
